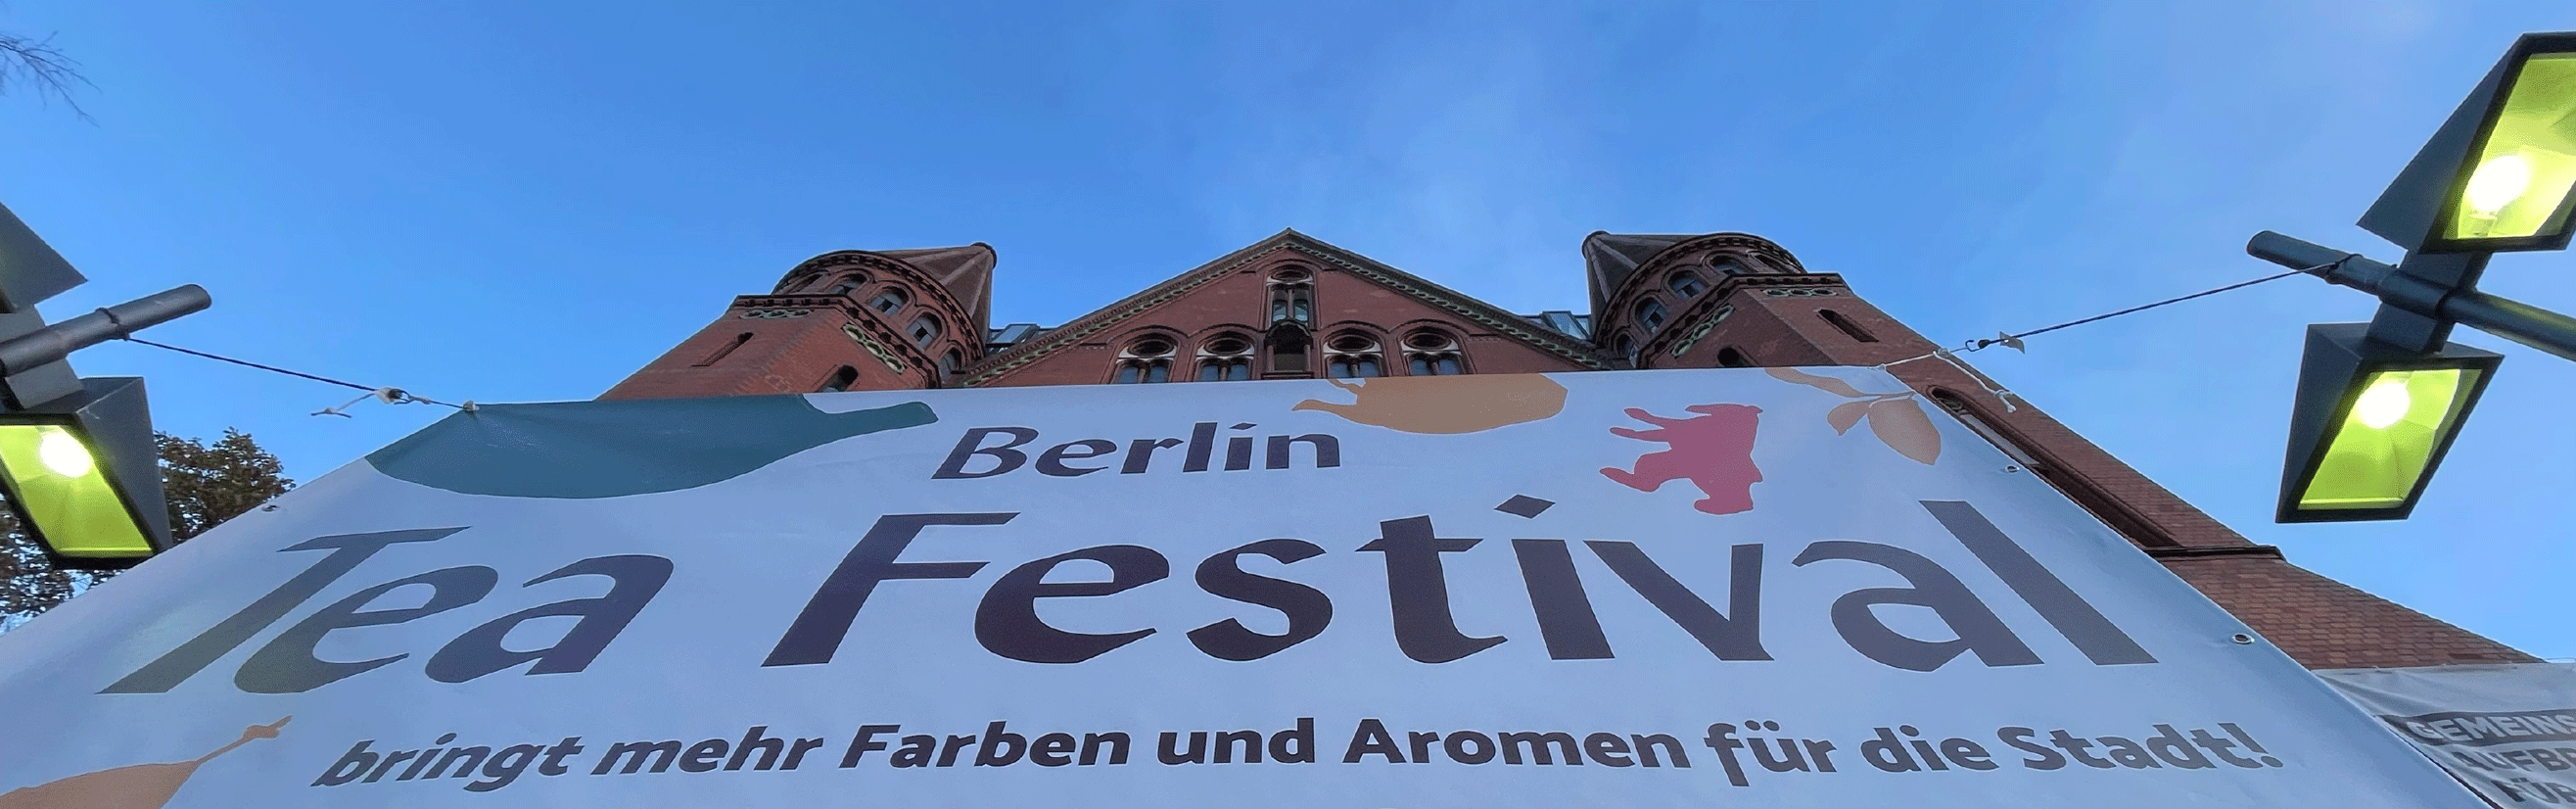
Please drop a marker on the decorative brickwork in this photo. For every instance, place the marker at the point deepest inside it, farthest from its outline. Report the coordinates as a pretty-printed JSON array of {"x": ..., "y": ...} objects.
[{"x": 1745, "y": 301}]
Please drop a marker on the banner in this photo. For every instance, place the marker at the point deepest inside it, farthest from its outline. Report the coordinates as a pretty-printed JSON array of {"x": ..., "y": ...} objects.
[
  {"x": 1664, "y": 588},
  {"x": 2508, "y": 731}
]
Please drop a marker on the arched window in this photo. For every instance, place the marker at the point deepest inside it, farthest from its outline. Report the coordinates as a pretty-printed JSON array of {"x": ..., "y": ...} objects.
[
  {"x": 925, "y": 329},
  {"x": 1650, "y": 314},
  {"x": 1845, "y": 324},
  {"x": 1432, "y": 353},
  {"x": 1292, "y": 296},
  {"x": 728, "y": 348},
  {"x": 846, "y": 286},
  {"x": 950, "y": 362},
  {"x": 840, "y": 380},
  {"x": 1352, "y": 355},
  {"x": 887, "y": 300},
  {"x": 1626, "y": 347},
  {"x": 1226, "y": 358},
  {"x": 1145, "y": 360},
  {"x": 1288, "y": 351},
  {"x": 1728, "y": 266},
  {"x": 1728, "y": 357},
  {"x": 1686, "y": 284}
]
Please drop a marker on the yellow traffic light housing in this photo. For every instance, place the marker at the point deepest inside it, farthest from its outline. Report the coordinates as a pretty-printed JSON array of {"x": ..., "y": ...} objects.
[
  {"x": 2371, "y": 424},
  {"x": 83, "y": 477},
  {"x": 2500, "y": 175}
]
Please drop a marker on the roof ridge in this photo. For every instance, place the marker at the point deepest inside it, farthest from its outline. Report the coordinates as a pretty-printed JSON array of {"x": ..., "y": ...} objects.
[{"x": 1464, "y": 305}]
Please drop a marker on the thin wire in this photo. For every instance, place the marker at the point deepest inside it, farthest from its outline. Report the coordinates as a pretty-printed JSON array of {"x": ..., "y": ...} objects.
[
  {"x": 403, "y": 396},
  {"x": 2014, "y": 340},
  {"x": 1978, "y": 344}
]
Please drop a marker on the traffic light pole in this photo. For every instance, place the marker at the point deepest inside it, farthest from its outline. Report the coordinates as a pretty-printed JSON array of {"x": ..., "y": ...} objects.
[
  {"x": 51, "y": 344},
  {"x": 2394, "y": 286}
]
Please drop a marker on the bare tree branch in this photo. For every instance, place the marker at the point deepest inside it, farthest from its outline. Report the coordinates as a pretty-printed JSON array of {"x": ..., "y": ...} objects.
[{"x": 36, "y": 63}]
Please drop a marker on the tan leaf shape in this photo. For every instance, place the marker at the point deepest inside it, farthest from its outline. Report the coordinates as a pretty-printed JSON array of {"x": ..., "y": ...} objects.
[
  {"x": 1846, "y": 415},
  {"x": 1824, "y": 383},
  {"x": 1902, "y": 424}
]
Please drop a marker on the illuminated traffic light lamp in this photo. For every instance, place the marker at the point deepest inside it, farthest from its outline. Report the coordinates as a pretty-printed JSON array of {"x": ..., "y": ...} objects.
[
  {"x": 2378, "y": 404},
  {"x": 2498, "y": 175},
  {"x": 84, "y": 475},
  {"x": 77, "y": 462},
  {"x": 2372, "y": 422}
]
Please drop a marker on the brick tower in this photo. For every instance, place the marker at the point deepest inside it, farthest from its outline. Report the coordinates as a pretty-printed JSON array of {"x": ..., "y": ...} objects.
[
  {"x": 845, "y": 320},
  {"x": 1292, "y": 306}
]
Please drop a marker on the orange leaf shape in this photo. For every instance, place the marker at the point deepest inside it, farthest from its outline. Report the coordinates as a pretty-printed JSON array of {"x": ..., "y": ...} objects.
[
  {"x": 1846, "y": 415},
  {"x": 1824, "y": 383},
  {"x": 1902, "y": 424}
]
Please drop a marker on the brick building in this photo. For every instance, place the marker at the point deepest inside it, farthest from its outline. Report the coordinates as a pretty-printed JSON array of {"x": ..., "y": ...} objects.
[{"x": 1294, "y": 307}]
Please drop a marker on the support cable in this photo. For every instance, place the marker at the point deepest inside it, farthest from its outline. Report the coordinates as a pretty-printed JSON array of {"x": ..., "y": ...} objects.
[
  {"x": 2014, "y": 341},
  {"x": 382, "y": 394}
]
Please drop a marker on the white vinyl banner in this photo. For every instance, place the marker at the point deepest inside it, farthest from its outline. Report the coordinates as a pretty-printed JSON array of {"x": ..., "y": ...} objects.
[
  {"x": 2509, "y": 731},
  {"x": 1665, "y": 588}
]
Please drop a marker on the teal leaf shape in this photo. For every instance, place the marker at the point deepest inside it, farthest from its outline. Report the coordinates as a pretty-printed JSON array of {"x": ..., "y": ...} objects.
[{"x": 618, "y": 448}]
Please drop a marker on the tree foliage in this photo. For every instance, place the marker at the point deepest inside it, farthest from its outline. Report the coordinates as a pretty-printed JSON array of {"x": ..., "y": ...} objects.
[{"x": 205, "y": 485}]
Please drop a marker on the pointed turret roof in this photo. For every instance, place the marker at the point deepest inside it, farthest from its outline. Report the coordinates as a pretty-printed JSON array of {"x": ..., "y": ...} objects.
[
  {"x": 966, "y": 272},
  {"x": 1609, "y": 258}
]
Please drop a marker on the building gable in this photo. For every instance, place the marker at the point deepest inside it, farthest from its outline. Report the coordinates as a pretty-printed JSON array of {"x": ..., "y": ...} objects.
[{"x": 1132, "y": 312}]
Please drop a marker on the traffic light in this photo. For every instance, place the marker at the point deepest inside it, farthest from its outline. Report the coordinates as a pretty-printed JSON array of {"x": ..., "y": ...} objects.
[
  {"x": 85, "y": 477},
  {"x": 2370, "y": 424},
  {"x": 2379, "y": 403},
  {"x": 77, "y": 460},
  {"x": 2497, "y": 176}
]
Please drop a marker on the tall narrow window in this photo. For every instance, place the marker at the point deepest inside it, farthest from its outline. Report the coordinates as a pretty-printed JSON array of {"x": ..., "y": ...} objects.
[
  {"x": 1650, "y": 314},
  {"x": 1686, "y": 284},
  {"x": 925, "y": 329},
  {"x": 887, "y": 301},
  {"x": 1728, "y": 357},
  {"x": 728, "y": 348},
  {"x": 1432, "y": 353},
  {"x": 1352, "y": 355},
  {"x": 1145, "y": 360},
  {"x": 1845, "y": 324},
  {"x": 1226, "y": 358},
  {"x": 840, "y": 380},
  {"x": 1292, "y": 296}
]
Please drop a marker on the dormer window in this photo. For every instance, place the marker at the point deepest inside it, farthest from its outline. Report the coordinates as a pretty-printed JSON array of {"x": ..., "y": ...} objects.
[
  {"x": 887, "y": 301},
  {"x": 1650, "y": 314},
  {"x": 1686, "y": 284}
]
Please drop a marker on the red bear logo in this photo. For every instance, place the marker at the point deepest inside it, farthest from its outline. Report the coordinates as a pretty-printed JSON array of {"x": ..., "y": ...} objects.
[{"x": 1713, "y": 451}]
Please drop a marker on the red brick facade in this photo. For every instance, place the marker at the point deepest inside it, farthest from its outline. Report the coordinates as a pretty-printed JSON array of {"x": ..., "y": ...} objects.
[{"x": 1295, "y": 307}]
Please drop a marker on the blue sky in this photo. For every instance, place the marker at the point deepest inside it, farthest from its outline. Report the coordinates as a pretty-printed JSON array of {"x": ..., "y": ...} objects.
[{"x": 528, "y": 201}]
